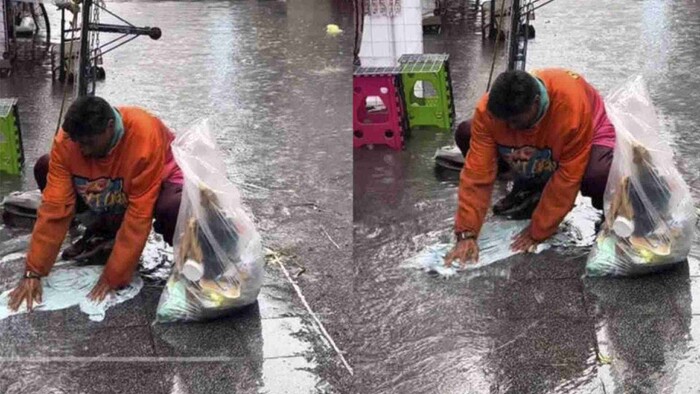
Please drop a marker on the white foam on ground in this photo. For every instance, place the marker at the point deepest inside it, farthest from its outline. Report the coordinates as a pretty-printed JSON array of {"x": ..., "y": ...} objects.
[{"x": 68, "y": 287}]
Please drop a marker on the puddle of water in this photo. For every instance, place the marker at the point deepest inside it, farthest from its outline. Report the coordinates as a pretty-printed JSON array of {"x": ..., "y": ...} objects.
[{"x": 291, "y": 375}]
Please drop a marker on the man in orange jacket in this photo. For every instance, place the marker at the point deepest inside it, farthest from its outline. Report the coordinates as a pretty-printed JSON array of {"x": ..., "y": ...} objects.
[
  {"x": 117, "y": 164},
  {"x": 551, "y": 129}
]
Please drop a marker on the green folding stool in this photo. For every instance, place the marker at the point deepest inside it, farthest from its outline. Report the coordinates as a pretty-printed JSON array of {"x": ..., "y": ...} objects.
[
  {"x": 436, "y": 109},
  {"x": 11, "y": 150}
]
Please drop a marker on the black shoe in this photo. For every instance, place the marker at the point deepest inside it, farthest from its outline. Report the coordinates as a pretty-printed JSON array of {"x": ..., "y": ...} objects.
[
  {"x": 89, "y": 245},
  {"x": 518, "y": 204}
]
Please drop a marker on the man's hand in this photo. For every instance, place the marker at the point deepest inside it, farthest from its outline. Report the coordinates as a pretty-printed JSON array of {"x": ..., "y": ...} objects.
[
  {"x": 100, "y": 291},
  {"x": 465, "y": 251},
  {"x": 29, "y": 289},
  {"x": 523, "y": 241}
]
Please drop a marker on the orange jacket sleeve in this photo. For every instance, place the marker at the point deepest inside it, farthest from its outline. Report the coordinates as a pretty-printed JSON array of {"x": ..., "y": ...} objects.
[
  {"x": 133, "y": 233},
  {"x": 559, "y": 194},
  {"x": 54, "y": 215},
  {"x": 477, "y": 177}
]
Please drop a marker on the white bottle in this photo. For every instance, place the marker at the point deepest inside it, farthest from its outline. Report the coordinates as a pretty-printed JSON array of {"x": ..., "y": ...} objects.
[
  {"x": 192, "y": 270},
  {"x": 623, "y": 227}
]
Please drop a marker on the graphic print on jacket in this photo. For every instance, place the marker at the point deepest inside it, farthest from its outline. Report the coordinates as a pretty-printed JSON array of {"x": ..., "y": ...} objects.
[
  {"x": 105, "y": 198},
  {"x": 102, "y": 195},
  {"x": 529, "y": 162}
]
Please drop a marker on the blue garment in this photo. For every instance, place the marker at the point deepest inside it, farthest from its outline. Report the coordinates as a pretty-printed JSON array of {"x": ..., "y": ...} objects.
[
  {"x": 544, "y": 100},
  {"x": 118, "y": 129}
]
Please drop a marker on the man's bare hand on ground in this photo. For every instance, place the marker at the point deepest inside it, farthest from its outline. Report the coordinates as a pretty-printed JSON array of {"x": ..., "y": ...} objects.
[
  {"x": 100, "y": 291},
  {"x": 29, "y": 289},
  {"x": 523, "y": 242},
  {"x": 464, "y": 251}
]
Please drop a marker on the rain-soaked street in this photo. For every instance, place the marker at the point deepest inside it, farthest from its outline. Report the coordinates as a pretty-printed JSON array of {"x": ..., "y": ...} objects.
[
  {"x": 278, "y": 89},
  {"x": 273, "y": 82},
  {"x": 529, "y": 324}
]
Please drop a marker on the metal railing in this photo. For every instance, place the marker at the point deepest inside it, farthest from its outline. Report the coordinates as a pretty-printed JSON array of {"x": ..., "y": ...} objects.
[{"x": 91, "y": 51}]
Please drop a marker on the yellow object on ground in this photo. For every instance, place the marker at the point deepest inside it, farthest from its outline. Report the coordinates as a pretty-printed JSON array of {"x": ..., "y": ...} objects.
[{"x": 333, "y": 30}]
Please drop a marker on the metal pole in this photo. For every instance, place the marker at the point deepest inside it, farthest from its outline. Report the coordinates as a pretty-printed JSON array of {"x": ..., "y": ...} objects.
[
  {"x": 492, "y": 22},
  {"x": 62, "y": 51},
  {"x": 525, "y": 38},
  {"x": 9, "y": 23},
  {"x": 514, "y": 29},
  {"x": 153, "y": 32},
  {"x": 84, "y": 49},
  {"x": 47, "y": 23}
]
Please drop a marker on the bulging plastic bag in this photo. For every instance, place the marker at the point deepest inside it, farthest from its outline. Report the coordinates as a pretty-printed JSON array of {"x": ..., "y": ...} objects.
[
  {"x": 649, "y": 212},
  {"x": 218, "y": 253}
]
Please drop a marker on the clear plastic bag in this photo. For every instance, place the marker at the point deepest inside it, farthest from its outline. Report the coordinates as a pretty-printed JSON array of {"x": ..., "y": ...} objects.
[
  {"x": 649, "y": 211},
  {"x": 218, "y": 253}
]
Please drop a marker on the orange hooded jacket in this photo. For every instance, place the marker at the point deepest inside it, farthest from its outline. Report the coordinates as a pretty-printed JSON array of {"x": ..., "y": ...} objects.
[
  {"x": 557, "y": 148},
  {"x": 125, "y": 184}
]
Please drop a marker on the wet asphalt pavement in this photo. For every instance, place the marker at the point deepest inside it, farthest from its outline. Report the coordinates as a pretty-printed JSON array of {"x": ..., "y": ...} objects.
[
  {"x": 271, "y": 79},
  {"x": 529, "y": 324}
]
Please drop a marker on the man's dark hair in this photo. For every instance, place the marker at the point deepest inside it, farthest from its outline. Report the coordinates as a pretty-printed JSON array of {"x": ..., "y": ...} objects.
[
  {"x": 86, "y": 116},
  {"x": 512, "y": 93}
]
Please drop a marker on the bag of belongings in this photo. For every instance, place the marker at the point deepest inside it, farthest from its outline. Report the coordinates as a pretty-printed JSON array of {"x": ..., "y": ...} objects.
[
  {"x": 218, "y": 253},
  {"x": 649, "y": 212}
]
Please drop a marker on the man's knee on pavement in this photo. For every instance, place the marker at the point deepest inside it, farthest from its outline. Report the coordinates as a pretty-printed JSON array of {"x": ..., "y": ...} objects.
[
  {"x": 463, "y": 135},
  {"x": 163, "y": 222},
  {"x": 596, "y": 177},
  {"x": 593, "y": 186},
  {"x": 166, "y": 211},
  {"x": 41, "y": 171}
]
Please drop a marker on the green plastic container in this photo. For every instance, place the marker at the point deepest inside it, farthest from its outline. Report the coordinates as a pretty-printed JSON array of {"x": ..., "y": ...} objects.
[
  {"x": 431, "y": 110},
  {"x": 11, "y": 150}
]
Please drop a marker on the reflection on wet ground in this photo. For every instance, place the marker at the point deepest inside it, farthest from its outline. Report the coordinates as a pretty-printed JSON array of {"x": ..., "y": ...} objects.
[
  {"x": 528, "y": 324},
  {"x": 269, "y": 77}
]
